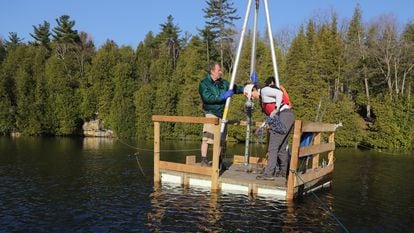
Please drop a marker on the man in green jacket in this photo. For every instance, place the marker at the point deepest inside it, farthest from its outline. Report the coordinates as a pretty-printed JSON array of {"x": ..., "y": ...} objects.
[{"x": 213, "y": 91}]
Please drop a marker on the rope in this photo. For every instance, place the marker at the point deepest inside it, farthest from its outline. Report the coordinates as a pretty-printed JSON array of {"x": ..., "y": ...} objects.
[
  {"x": 324, "y": 207},
  {"x": 139, "y": 164}
]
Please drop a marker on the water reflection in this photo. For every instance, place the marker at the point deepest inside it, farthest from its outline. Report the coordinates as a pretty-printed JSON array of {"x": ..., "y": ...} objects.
[
  {"x": 176, "y": 209},
  {"x": 94, "y": 143}
]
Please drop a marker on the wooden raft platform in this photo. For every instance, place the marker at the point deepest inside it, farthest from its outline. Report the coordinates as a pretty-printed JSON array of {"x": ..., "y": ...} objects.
[
  {"x": 316, "y": 154},
  {"x": 236, "y": 179}
]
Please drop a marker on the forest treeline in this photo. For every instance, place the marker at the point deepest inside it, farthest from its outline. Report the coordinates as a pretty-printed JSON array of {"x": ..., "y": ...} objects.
[{"x": 356, "y": 73}]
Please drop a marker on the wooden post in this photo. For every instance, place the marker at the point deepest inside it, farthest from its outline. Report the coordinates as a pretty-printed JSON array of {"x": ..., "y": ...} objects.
[
  {"x": 331, "y": 139},
  {"x": 294, "y": 159},
  {"x": 190, "y": 159},
  {"x": 315, "y": 157},
  {"x": 157, "y": 153},
  {"x": 216, "y": 157}
]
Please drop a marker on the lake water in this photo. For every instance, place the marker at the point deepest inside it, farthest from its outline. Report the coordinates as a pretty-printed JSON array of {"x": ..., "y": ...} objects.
[{"x": 96, "y": 185}]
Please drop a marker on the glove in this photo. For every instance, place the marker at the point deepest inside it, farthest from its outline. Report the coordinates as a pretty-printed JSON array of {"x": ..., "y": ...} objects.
[
  {"x": 253, "y": 78},
  {"x": 226, "y": 95},
  {"x": 260, "y": 129}
]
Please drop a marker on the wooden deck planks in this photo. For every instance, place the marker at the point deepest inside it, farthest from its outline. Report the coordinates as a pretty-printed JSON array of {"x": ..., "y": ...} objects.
[{"x": 237, "y": 174}]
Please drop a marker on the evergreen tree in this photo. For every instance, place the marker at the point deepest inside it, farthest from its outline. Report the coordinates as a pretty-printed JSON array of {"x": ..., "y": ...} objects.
[
  {"x": 342, "y": 111},
  {"x": 84, "y": 53},
  {"x": 25, "y": 87},
  {"x": 2, "y": 51},
  {"x": 385, "y": 131},
  {"x": 169, "y": 36},
  {"x": 190, "y": 70},
  {"x": 356, "y": 60},
  {"x": 6, "y": 109},
  {"x": 165, "y": 88},
  {"x": 333, "y": 50},
  {"x": 144, "y": 99},
  {"x": 64, "y": 36},
  {"x": 208, "y": 38},
  {"x": 7, "y": 93},
  {"x": 21, "y": 70},
  {"x": 144, "y": 54},
  {"x": 317, "y": 91},
  {"x": 297, "y": 59},
  {"x": 123, "y": 109},
  {"x": 64, "y": 32},
  {"x": 64, "y": 98},
  {"x": 42, "y": 34},
  {"x": 41, "y": 93},
  {"x": 101, "y": 79},
  {"x": 14, "y": 41},
  {"x": 220, "y": 16},
  {"x": 9, "y": 70}
]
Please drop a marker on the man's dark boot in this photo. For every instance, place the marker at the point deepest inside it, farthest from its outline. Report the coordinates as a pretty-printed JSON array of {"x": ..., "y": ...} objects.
[{"x": 204, "y": 162}]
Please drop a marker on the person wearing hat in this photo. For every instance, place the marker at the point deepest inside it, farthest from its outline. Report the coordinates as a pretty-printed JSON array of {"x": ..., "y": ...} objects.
[
  {"x": 214, "y": 92},
  {"x": 280, "y": 118}
]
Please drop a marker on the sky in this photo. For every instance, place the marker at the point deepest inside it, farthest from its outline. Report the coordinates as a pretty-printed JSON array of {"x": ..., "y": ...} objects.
[{"x": 128, "y": 21}]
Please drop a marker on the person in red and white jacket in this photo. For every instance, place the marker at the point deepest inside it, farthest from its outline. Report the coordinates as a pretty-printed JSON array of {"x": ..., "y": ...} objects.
[{"x": 276, "y": 105}]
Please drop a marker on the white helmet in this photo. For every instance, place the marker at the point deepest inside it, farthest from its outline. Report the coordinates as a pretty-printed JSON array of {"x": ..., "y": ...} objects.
[{"x": 248, "y": 90}]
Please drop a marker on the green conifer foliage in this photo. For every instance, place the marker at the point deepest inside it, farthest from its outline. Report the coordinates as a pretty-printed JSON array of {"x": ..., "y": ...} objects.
[
  {"x": 41, "y": 92},
  {"x": 165, "y": 89},
  {"x": 6, "y": 110},
  {"x": 101, "y": 79},
  {"x": 168, "y": 40},
  {"x": 144, "y": 54},
  {"x": 191, "y": 68},
  {"x": 122, "y": 113},
  {"x": 352, "y": 131},
  {"x": 26, "y": 121},
  {"x": 64, "y": 32},
  {"x": 14, "y": 41},
  {"x": 144, "y": 100},
  {"x": 7, "y": 93},
  {"x": 220, "y": 16},
  {"x": 42, "y": 34},
  {"x": 2, "y": 51},
  {"x": 361, "y": 76},
  {"x": 161, "y": 71},
  {"x": 64, "y": 98},
  {"x": 14, "y": 60},
  {"x": 392, "y": 124},
  {"x": 210, "y": 51},
  {"x": 296, "y": 74}
]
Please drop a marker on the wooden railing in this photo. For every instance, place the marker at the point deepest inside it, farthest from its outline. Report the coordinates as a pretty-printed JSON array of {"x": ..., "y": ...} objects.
[
  {"x": 317, "y": 173},
  {"x": 212, "y": 171},
  {"x": 311, "y": 177}
]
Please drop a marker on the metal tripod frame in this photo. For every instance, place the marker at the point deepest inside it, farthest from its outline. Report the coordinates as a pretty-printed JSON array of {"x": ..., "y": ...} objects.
[{"x": 252, "y": 68}]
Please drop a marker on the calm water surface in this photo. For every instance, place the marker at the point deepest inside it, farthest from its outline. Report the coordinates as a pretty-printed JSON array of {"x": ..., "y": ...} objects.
[{"x": 92, "y": 185}]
